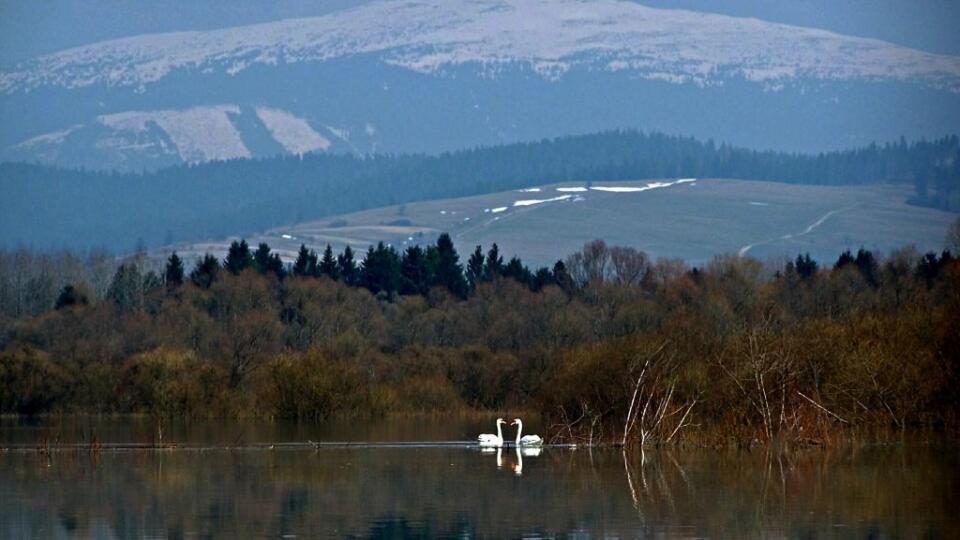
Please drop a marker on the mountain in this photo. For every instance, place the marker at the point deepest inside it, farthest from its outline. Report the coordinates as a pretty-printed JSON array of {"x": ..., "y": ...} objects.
[{"x": 433, "y": 75}]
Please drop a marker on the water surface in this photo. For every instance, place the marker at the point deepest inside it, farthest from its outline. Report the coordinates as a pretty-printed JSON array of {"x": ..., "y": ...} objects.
[{"x": 384, "y": 491}]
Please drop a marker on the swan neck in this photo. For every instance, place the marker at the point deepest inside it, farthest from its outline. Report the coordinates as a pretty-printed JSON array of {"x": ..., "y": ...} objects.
[
  {"x": 519, "y": 429},
  {"x": 499, "y": 431}
]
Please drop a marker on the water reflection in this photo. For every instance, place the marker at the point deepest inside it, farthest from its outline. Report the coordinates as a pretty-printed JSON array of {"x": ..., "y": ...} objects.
[
  {"x": 378, "y": 492},
  {"x": 522, "y": 451}
]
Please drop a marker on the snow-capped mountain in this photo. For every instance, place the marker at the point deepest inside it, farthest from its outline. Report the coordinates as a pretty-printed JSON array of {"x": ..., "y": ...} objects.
[{"x": 427, "y": 75}]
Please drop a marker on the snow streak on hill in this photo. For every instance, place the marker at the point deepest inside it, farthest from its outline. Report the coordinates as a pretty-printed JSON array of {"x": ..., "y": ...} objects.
[
  {"x": 550, "y": 36},
  {"x": 193, "y": 135}
]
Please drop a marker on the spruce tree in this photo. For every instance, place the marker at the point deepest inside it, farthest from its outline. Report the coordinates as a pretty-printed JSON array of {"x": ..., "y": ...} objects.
[
  {"x": 844, "y": 259},
  {"x": 806, "y": 267},
  {"x": 261, "y": 258},
  {"x": 562, "y": 277},
  {"x": 126, "y": 289},
  {"x": 516, "y": 270},
  {"x": 475, "y": 267},
  {"x": 328, "y": 264},
  {"x": 206, "y": 271},
  {"x": 414, "y": 272},
  {"x": 347, "y": 267},
  {"x": 868, "y": 267},
  {"x": 238, "y": 258},
  {"x": 267, "y": 262},
  {"x": 173, "y": 273},
  {"x": 380, "y": 271},
  {"x": 306, "y": 262},
  {"x": 447, "y": 270},
  {"x": 72, "y": 296},
  {"x": 541, "y": 279},
  {"x": 494, "y": 264}
]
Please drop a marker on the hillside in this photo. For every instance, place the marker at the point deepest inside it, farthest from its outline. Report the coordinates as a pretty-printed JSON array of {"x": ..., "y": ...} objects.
[
  {"x": 392, "y": 76},
  {"x": 693, "y": 219},
  {"x": 49, "y": 207}
]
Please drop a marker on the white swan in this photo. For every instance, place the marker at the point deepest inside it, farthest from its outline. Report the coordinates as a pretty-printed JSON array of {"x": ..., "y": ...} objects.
[
  {"x": 527, "y": 440},
  {"x": 489, "y": 439}
]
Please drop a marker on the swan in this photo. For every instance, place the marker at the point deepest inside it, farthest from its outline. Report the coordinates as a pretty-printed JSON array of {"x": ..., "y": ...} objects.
[
  {"x": 527, "y": 440},
  {"x": 489, "y": 439}
]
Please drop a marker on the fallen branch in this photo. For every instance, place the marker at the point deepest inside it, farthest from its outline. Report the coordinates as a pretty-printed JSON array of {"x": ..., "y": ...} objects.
[{"x": 822, "y": 408}]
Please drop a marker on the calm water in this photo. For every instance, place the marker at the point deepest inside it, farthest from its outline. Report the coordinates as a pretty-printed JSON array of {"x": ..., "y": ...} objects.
[{"x": 401, "y": 492}]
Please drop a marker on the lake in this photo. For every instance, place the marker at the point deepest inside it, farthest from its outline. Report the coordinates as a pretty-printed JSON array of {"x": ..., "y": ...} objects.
[{"x": 224, "y": 481}]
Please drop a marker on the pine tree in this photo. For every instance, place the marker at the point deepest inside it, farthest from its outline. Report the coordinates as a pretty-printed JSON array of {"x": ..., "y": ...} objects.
[
  {"x": 844, "y": 259},
  {"x": 268, "y": 263},
  {"x": 868, "y": 267},
  {"x": 72, "y": 296},
  {"x": 173, "y": 274},
  {"x": 447, "y": 270},
  {"x": 347, "y": 267},
  {"x": 541, "y": 279},
  {"x": 126, "y": 289},
  {"x": 328, "y": 265},
  {"x": 414, "y": 272},
  {"x": 238, "y": 258},
  {"x": 494, "y": 265},
  {"x": 475, "y": 267},
  {"x": 806, "y": 267},
  {"x": 306, "y": 263},
  {"x": 261, "y": 258},
  {"x": 516, "y": 270},
  {"x": 380, "y": 271},
  {"x": 206, "y": 271},
  {"x": 562, "y": 277}
]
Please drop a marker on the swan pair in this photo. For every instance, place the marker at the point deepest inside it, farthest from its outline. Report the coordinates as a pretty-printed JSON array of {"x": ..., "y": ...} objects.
[{"x": 489, "y": 439}]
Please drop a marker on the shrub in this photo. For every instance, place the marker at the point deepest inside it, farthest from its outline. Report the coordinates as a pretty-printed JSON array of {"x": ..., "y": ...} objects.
[
  {"x": 314, "y": 386},
  {"x": 29, "y": 382},
  {"x": 169, "y": 382}
]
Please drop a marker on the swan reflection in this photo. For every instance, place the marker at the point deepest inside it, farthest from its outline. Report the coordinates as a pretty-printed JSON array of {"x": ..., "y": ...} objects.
[
  {"x": 498, "y": 451},
  {"x": 521, "y": 452}
]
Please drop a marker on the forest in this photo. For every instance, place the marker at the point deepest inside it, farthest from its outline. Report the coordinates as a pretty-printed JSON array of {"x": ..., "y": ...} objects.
[
  {"x": 607, "y": 345},
  {"x": 50, "y": 208}
]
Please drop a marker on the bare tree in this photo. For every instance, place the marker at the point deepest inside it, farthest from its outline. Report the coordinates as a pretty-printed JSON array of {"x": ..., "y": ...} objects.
[
  {"x": 953, "y": 236},
  {"x": 630, "y": 266},
  {"x": 651, "y": 403},
  {"x": 589, "y": 265}
]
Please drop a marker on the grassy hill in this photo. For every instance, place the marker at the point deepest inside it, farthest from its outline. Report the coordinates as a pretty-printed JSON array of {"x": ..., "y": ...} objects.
[{"x": 689, "y": 219}]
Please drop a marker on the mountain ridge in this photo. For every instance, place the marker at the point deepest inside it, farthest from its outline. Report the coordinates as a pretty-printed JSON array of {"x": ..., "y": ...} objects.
[
  {"x": 431, "y": 76},
  {"x": 429, "y": 35}
]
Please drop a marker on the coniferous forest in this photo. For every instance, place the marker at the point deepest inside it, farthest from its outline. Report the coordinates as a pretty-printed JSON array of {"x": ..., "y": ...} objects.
[
  {"x": 46, "y": 207},
  {"x": 735, "y": 351}
]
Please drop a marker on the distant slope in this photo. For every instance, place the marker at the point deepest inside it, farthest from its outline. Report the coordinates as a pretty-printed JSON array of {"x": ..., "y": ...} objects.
[
  {"x": 396, "y": 75},
  {"x": 50, "y": 207},
  {"x": 690, "y": 219},
  {"x": 133, "y": 140}
]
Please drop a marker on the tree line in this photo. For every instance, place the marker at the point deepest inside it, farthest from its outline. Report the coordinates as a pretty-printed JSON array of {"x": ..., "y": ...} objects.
[
  {"x": 607, "y": 345},
  {"x": 47, "y": 207}
]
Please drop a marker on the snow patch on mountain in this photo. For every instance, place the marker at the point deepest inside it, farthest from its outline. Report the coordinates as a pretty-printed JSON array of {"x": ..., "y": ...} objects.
[
  {"x": 294, "y": 133},
  {"x": 44, "y": 147},
  {"x": 551, "y": 37},
  {"x": 199, "y": 133}
]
